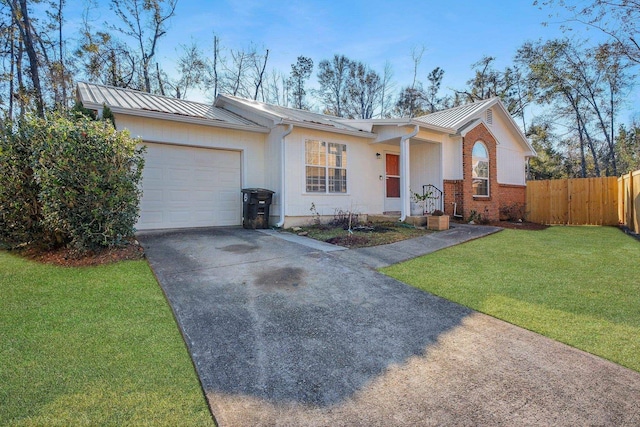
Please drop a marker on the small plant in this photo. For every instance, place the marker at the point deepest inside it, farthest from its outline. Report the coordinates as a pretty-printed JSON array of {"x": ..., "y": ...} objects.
[
  {"x": 345, "y": 219},
  {"x": 437, "y": 212},
  {"x": 420, "y": 198},
  {"x": 478, "y": 218},
  {"x": 512, "y": 212},
  {"x": 314, "y": 213}
]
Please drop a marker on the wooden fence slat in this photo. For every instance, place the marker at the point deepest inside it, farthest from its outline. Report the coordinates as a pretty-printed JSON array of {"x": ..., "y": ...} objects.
[
  {"x": 558, "y": 209},
  {"x": 611, "y": 200},
  {"x": 578, "y": 201},
  {"x": 634, "y": 184}
]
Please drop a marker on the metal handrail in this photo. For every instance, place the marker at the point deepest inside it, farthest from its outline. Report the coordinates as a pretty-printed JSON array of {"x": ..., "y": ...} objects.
[{"x": 435, "y": 201}]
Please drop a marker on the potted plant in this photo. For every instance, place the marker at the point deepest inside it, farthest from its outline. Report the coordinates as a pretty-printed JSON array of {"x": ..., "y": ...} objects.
[
  {"x": 417, "y": 203},
  {"x": 437, "y": 220}
]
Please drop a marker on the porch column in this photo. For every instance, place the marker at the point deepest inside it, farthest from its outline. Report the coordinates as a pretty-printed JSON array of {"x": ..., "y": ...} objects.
[
  {"x": 405, "y": 179},
  {"x": 405, "y": 175}
]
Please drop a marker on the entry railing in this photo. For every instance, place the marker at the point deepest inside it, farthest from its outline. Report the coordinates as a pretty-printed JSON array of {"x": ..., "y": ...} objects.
[{"x": 434, "y": 200}]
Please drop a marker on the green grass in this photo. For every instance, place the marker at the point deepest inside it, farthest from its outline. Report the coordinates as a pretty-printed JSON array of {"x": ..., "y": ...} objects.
[
  {"x": 91, "y": 346},
  {"x": 577, "y": 285}
]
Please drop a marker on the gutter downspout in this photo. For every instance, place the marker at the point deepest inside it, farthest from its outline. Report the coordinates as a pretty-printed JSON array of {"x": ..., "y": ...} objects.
[
  {"x": 405, "y": 173},
  {"x": 282, "y": 175}
]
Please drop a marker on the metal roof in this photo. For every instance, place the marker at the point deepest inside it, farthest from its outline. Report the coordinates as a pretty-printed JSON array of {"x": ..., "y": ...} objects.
[
  {"x": 137, "y": 103},
  {"x": 294, "y": 116},
  {"x": 458, "y": 116}
]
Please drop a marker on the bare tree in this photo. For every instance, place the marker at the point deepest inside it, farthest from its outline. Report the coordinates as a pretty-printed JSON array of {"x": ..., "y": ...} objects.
[
  {"x": 620, "y": 19},
  {"x": 192, "y": 70},
  {"x": 364, "y": 89},
  {"x": 146, "y": 22},
  {"x": 21, "y": 17},
  {"x": 259, "y": 67},
  {"x": 333, "y": 77},
  {"x": 101, "y": 57},
  {"x": 431, "y": 93},
  {"x": 300, "y": 73},
  {"x": 386, "y": 89}
]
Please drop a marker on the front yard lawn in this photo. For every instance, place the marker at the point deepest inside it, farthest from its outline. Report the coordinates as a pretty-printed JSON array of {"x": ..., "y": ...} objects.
[
  {"x": 91, "y": 346},
  {"x": 364, "y": 236},
  {"x": 577, "y": 285}
]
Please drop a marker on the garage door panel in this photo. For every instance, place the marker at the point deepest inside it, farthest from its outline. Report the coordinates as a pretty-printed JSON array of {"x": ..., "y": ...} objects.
[{"x": 190, "y": 187}]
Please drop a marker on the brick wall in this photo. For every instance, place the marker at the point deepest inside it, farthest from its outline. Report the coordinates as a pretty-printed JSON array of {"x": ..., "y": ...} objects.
[
  {"x": 453, "y": 200},
  {"x": 499, "y": 194}
]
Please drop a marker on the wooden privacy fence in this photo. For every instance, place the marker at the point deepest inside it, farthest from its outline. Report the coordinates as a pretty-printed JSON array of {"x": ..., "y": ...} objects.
[
  {"x": 629, "y": 200},
  {"x": 579, "y": 201}
]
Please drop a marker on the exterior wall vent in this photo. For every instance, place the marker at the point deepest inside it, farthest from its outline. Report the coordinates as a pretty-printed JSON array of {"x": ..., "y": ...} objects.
[{"x": 490, "y": 116}]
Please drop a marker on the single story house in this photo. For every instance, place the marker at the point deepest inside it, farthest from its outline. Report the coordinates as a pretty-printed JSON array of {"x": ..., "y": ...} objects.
[{"x": 199, "y": 157}]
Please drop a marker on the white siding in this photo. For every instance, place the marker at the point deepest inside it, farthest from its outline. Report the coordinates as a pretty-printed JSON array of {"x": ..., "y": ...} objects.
[
  {"x": 365, "y": 191},
  {"x": 510, "y": 153},
  {"x": 425, "y": 166},
  {"x": 511, "y": 166},
  {"x": 452, "y": 158}
]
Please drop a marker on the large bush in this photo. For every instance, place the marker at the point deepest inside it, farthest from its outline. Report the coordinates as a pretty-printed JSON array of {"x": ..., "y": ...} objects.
[
  {"x": 20, "y": 217},
  {"x": 86, "y": 176}
]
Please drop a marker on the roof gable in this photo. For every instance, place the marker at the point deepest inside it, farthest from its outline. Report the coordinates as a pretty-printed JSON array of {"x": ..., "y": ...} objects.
[
  {"x": 456, "y": 117},
  {"x": 466, "y": 117}
]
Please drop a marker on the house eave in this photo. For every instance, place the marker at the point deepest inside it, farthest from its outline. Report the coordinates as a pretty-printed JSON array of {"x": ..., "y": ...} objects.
[
  {"x": 403, "y": 123},
  {"x": 328, "y": 128},
  {"x": 177, "y": 118}
]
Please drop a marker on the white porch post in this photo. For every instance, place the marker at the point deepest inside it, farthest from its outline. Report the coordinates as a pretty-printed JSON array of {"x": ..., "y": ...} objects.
[{"x": 405, "y": 174}]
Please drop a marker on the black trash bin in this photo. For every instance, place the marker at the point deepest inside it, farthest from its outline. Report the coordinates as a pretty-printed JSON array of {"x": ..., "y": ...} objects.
[{"x": 255, "y": 207}]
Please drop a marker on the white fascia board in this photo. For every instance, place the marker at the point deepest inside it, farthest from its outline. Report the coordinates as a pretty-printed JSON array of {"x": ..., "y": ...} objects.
[
  {"x": 222, "y": 99},
  {"x": 407, "y": 122},
  {"x": 178, "y": 118},
  {"x": 327, "y": 128}
]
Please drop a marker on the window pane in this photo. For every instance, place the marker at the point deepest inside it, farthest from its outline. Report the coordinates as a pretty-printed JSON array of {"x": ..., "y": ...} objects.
[
  {"x": 479, "y": 150},
  {"x": 337, "y": 155},
  {"x": 316, "y": 182},
  {"x": 480, "y": 187},
  {"x": 315, "y": 153},
  {"x": 393, "y": 187},
  {"x": 337, "y": 180},
  {"x": 480, "y": 169}
]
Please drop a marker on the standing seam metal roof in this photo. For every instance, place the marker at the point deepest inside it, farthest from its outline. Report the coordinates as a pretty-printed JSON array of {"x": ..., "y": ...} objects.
[
  {"x": 293, "y": 114},
  {"x": 456, "y": 117},
  {"x": 120, "y": 98}
]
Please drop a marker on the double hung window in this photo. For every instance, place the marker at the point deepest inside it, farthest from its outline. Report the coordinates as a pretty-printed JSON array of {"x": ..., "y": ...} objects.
[{"x": 325, "y": 167}]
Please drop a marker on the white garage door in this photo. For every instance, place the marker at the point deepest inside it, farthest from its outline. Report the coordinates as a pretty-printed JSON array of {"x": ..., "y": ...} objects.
[{"x": 190, "y": 187}]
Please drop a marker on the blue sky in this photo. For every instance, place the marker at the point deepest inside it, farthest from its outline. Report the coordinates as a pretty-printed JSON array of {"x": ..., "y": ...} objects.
[{"x": 455, "y": 34}]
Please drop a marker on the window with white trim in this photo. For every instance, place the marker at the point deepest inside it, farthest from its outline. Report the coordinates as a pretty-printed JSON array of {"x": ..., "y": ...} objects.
[
  {"x": 480, "y": 170},
  {"x": 325, "y": 167}
]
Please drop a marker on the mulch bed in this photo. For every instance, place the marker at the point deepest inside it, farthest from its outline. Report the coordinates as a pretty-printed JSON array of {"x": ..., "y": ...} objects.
[{"x": 66, "y": 257}]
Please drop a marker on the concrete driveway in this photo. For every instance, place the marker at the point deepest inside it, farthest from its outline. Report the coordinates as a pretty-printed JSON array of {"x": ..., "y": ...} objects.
[{"x": 282, "y": 333}]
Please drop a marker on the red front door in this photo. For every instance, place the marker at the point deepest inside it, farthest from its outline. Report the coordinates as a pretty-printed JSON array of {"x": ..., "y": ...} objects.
[{"x": 393, "y": 175}]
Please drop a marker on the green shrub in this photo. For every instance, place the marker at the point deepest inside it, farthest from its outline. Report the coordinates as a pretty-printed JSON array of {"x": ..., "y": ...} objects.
[
  {"x": 20, "y": 213},
  {"x": 89, "y": 177},
  {"x": 85, "y": 176}
]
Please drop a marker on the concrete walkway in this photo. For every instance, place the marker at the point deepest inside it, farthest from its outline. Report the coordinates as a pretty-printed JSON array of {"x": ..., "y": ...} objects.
[{"x": 283, "y": 333}]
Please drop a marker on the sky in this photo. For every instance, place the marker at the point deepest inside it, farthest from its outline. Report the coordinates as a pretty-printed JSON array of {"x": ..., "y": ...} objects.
[{"x": 454, "y": 33}]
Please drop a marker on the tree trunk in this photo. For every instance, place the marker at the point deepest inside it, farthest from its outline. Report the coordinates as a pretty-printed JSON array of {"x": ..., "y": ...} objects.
[{"x": 21, "y": 10}]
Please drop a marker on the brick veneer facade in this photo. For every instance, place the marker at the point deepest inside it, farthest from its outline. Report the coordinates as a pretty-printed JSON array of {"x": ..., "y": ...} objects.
[{"x": 459, "y": 193}]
